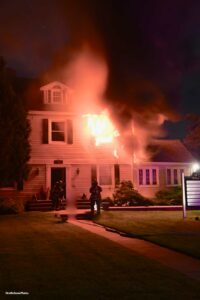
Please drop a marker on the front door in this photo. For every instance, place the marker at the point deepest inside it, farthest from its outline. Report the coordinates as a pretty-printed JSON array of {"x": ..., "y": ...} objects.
[{"x": 58, "y": 174}]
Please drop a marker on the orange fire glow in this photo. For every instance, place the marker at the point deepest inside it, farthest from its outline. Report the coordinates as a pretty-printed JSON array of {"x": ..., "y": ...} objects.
[
  {"x": 101, "y": 128},
  {"x": 115, "y": 153}
]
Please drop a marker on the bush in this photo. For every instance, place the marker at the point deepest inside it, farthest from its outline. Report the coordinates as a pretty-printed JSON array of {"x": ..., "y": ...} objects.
[
  {"x": 171, "y": 196},
  {"x": 11, "y": 206},
  {"x": 107, "y": 202},
  {"x": 126, "y": 195}
]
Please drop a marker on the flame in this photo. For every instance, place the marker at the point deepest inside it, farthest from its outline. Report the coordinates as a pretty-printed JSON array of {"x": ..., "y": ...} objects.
[
  {"x": 101, "y": 128},
  {"x": 115, "y": 153}
]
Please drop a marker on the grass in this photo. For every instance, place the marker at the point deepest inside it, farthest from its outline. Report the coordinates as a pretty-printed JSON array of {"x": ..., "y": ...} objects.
[
  {"x": 53, "y": 260},
  {"x": 166, "y": 228}
]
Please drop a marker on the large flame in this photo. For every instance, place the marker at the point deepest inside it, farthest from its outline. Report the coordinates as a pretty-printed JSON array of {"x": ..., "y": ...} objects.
[{"x": 101, "y": 128}]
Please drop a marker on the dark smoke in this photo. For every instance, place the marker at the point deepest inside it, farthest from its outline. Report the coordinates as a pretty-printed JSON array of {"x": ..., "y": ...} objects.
[{"x": 151, "y": 49}]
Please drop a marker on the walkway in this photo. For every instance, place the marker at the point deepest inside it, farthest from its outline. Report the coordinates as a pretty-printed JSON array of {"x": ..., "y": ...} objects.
[{"x": 180, "y": 262}]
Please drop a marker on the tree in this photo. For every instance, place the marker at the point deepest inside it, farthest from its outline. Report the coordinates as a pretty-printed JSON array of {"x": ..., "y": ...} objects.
[
  {"x": 192, "y": 139},
  {"x": 14, "y": 133}
]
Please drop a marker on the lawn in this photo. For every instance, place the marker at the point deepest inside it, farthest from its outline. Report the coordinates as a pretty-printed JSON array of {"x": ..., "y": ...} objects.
[
  {"x": 52, "y": 260},
  {"x": 165, "y": 228}
]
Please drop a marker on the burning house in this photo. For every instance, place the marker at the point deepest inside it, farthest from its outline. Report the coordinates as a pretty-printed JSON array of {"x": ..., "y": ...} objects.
[{"x": 77, "y": 147}]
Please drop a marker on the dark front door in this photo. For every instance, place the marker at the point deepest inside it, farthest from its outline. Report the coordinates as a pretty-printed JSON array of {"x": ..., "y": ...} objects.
[{"x": 58, "y": 174}]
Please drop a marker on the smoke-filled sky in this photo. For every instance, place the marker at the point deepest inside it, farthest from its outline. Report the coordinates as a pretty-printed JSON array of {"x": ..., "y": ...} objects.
[{"x": 151, "y": 48}]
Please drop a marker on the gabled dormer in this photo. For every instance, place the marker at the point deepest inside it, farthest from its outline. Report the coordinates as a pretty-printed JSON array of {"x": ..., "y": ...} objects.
[{"x": 56, "y": 93}]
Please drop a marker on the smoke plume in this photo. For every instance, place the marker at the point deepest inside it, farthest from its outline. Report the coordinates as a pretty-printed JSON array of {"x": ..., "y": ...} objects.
[{"x": 110, "y": 67}]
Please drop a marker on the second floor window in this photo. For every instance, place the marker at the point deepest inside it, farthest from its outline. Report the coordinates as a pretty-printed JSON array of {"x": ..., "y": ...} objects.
[{"x": 58, "y": 131}]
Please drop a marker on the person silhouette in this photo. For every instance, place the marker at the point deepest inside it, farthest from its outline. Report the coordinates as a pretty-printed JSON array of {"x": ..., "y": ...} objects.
[{"x": 95, "y": 197}]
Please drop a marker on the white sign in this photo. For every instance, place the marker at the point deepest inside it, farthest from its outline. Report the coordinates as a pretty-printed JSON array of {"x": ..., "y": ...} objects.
[{"x": 192, "y": 189}]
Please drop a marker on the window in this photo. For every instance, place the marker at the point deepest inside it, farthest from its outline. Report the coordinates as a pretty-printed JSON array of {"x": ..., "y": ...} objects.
[
  {"x": 54, "y": 96},
  {"x": 58, "y": 131},
  {"x": 57, "y": 96},
  {"x": 105, "y": 175},
  {"x": 147, "y": 177},
  {"x": 140, "y": 177},
  {"x": 154, "y": 176},
  {"x": 56, "y": 93},
  {"x": 169, "y": 177},
  {"x": 174, "y": 176},
  {"x": 181, "y": 172}
]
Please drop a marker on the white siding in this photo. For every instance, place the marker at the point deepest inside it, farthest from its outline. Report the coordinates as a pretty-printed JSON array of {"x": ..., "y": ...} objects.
[
  {"x": 36, "y": 180},
  {"x": 126, "y": 172},
  {"x": 80, "y": 151},
  {"x": 80, "y": 183}
]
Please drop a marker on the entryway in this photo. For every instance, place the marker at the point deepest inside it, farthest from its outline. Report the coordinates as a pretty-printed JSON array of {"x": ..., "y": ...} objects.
[{"x": 58, "y": 174}]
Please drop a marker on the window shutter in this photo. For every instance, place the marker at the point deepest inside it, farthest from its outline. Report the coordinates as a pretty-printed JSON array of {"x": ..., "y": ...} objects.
[
  {"x": 117, "y": 174},
  {"x": 93, "y": 173},
  {"x": 69, "y": 132},
  {"x": 45, "y": 131}
]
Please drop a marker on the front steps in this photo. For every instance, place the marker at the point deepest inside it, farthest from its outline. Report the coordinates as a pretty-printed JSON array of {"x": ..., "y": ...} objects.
[
  {"x": 46, "y": 205},
  {"x": 42, "y": 205},
  {"x": 83, "y": 203}
]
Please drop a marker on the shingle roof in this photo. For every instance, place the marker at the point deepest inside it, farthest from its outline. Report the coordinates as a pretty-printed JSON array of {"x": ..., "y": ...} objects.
[{"x": 169, "y": 151}]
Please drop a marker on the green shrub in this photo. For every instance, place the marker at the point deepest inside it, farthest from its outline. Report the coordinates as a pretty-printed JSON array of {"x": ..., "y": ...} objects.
[
  {"x": 126, "y": 195},
  {"x": 106, "y": 203},
  {"x": 171, "y": 196},
  {"x": 11, "y": 206}
]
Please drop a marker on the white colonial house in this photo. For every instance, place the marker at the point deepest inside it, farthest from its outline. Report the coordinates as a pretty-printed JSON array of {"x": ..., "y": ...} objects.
[{"x": 61, "y": 148}]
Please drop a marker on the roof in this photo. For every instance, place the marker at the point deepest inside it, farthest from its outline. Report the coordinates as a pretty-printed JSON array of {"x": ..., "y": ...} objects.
[
  {"x": 54, "y": 84},
  {"x": 169, "y": 151}
]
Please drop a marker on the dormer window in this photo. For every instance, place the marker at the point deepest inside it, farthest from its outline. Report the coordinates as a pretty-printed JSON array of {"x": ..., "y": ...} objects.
[
  {"x": 57, "y": 96},
  {"x": 55, "y": 93},
  {"x": 54, "y": 96}
]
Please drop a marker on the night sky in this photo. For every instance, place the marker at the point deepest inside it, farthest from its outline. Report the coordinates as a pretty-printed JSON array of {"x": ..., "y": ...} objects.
[{"x": 142, "y": 42}]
